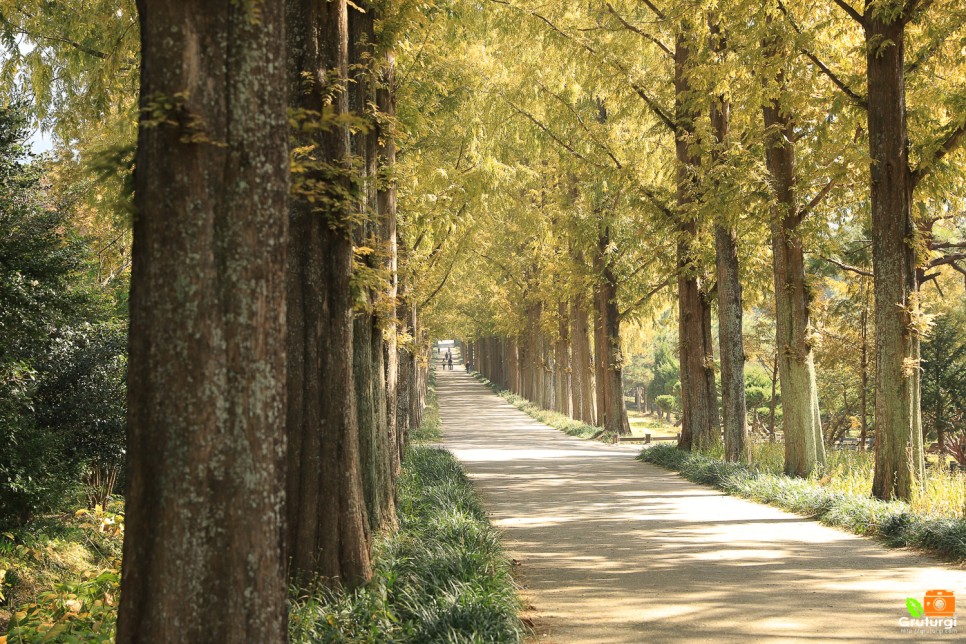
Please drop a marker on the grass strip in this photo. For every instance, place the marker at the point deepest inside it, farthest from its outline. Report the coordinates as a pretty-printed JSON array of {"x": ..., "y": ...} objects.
[
  {"x": 558, "y": 421},
  {"x": 441, "y": 577},
  {"x": 891, "y": 521}
]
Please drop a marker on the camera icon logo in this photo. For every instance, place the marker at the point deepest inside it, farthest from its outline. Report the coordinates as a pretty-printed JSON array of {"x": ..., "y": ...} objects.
[{"x": 939, "y": 603}]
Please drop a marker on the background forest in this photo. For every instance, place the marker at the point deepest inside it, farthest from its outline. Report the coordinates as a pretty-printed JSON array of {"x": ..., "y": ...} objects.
[{"x": 741, "y": 225}]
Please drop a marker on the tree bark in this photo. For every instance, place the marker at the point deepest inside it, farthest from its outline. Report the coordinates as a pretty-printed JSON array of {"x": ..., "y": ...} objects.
[
  {"x": 368, "y": 364},
  {"x": 203, "y": 552},
  {"x": 614, "y": 413},
  {"x": 387, "y": 209},
  {"x": 899, "y": 460},
  {"x": 804, "y": 447},
  {"x": 326, "y": 531},
  {"x": 731, "y": 342},
  {"x": 699, "y": 399},
  {"x": 562, "y": 359}
]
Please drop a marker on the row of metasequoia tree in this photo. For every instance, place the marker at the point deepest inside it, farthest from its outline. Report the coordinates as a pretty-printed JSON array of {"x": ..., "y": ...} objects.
[
  {"x": 270, "y": 388},
  {"x": 546, "y": 355}
]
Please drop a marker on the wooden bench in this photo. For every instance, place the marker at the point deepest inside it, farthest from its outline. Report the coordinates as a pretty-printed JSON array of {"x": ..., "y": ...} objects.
[{"x": 646, "y": 439}]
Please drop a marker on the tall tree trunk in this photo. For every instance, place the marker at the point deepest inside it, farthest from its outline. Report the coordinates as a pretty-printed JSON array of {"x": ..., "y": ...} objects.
[
  {"x": 406, "y": 387},
  {"x": 864, "y": 381},
  {"x": 804, "y": 447},
  {"x": 547, "y": 363},
  {"x": 731, "y": 342},
  {"x": 699, "y": 399},
  {"x": 368, "y": 364},
  {"x": 583, "y": 369},
  {"x": 600, "y": 348},
  {"x": 563, "y": 359},
  {"x": 386, "y": 198},
  {"x": 203, "y": 552},
  {"x": 326, "y": 524},
  {"x": 612, "y": 412},
  {"x": 899, "y": 460}
]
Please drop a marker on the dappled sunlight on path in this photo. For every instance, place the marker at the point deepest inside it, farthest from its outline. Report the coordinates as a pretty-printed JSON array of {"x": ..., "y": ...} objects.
[{"x": 614, "y": 550}]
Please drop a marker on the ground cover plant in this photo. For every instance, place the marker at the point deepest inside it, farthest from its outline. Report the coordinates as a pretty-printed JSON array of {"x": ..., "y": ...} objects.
[
  {"x": 564, "y": 423},
  {"x": 443, "y": 577},
  {"x": 934, "y": 521}
]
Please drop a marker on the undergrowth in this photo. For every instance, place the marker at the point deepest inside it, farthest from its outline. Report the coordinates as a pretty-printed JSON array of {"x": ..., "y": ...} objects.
[
  {"x": 559, "y": 421},
  {"x": 835, "y": 499},
  {"x": 443, "y": 577},
  {"x": 60, "y": 576}
]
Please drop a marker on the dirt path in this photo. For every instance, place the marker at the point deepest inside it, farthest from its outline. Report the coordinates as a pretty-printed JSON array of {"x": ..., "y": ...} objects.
[{"x": 613, "y": 550}]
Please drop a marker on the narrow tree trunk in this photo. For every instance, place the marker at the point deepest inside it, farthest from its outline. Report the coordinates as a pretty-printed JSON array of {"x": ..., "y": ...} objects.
[
  {"x": 326, "y": 522},
  {"x": 899, "y": 460},
  {"x": 582, "y": 369},
  {"x": 864, "y": 380},
  {"x": 731, "y": 342},
  {"x": 203, "y": 551},
  {"x": 612, "y": 414},
  {"x": 699, "y": 400},
  {"x": 774, "y": 402},
  {"x": 600, "y": 348},
  {"x": 804, "y": 447},
  {"x": 386, "y": 137},
  {"x": 562, "y": 359},
  {"x": 547, "y": 362}
]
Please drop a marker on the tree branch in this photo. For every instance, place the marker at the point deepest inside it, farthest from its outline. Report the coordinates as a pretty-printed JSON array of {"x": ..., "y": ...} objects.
[
  {"x": 832, "y": 76},
  {"x": 846, "y": 267},
  {"x": 817, "y": 199},
  {"x": 654, "y": 291},
  {"x": 657, "y": 12},
  {"x": 953, "y": 140},
  {"x": 549, "y": 132},
  {"x": 847, "y": 8},
  {"x": 640, "y": 32},
  {"x": 651, "y": 103},
  {"x": 449, "y": 272},
  {"x": 945, "y": 260},
  {"x": 583, "y": 124}
]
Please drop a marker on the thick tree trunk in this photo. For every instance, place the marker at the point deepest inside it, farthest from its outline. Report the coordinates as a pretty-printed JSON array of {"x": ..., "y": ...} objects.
[
  {"x": 699, "y": 399},
  {"x": 326, "y": 526},
  {"x": 368, "y": 364},
  {"x": 203, "y": 552},
  {"x": 804, "y": 447},
  {"x": 899, "y": 460}
]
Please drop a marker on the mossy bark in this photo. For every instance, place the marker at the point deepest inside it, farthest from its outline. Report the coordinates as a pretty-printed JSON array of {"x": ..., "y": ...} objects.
[
  {"x": 327, "y": 534},
  {"x": 899, "y": 462},
  {"x": 203, "y": 550}
]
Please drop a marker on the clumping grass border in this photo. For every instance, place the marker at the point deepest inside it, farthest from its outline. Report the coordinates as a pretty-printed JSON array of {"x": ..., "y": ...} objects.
[
  {"x": 443, "y": 576},
  {"x": 893, "y": 522},
  {"x": 554, "y": 419}
]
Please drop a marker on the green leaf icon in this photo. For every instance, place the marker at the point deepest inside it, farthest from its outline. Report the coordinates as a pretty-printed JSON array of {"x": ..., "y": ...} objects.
[{"x": 914, "y": 608}]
